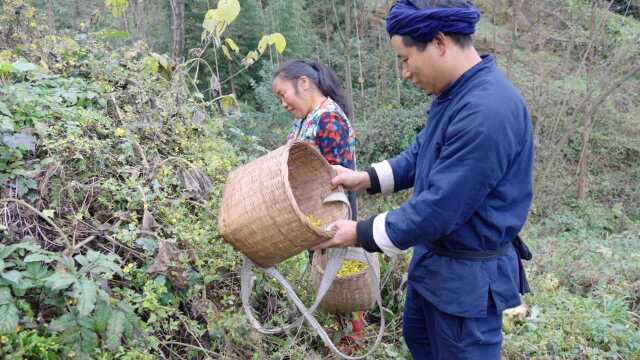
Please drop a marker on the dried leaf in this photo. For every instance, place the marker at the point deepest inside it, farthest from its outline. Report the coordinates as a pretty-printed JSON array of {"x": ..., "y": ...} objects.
[{"x": 148, "y": 222}]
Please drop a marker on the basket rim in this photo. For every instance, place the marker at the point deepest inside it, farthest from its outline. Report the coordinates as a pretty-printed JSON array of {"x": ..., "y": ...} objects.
[{"x": 289, "y": 191}]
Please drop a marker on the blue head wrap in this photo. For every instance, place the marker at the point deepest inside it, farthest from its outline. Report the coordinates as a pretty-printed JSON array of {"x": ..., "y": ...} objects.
[{"x": 424, "y": 24}]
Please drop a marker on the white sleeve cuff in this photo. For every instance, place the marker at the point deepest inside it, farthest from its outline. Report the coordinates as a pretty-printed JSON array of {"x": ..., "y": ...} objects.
[
  {"x": 382, "y": 239},
  {"x": 385, "y": 176}
]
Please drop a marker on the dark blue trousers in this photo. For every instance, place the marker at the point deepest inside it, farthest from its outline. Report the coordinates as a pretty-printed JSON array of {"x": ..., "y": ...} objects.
[{"x": 434, "y": 335}]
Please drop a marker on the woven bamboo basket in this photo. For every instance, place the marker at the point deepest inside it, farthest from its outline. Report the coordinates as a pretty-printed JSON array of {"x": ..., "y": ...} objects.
[
  {"x": 350, "y": 293},
  {"x": 266, "y": 202}
]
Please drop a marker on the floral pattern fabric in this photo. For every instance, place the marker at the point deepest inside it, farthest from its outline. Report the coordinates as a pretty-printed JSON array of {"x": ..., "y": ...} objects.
[{"x": 328, "y": 129}]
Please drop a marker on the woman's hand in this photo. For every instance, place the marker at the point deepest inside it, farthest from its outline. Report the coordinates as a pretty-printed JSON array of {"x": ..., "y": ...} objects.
[
  {"x": 346, "y": 235},
  {"x": 350, "y": 179}
]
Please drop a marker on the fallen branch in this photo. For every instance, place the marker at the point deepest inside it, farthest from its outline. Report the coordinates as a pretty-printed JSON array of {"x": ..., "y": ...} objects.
[{"x": 68, "y": 244}]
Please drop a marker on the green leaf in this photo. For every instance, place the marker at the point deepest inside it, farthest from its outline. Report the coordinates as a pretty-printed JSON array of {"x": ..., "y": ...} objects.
[
  {"x": 5, "y": 68},
  {"x": 17, "y": 140},
  {"x": 37, "y": 257},
  {"x": 59, "y": 281},
  {"x": 4, "y": 109},
  {"x": 8, "y": 318},
  {"x": 262, "y": 45},
  {"x": 115, "y": 330},
  {"x": 48, "y": 213},
  {"x": 85, "y": 291},
  {"x": 214, "y": 22},
  {"x": 13, "y": 276},
  {"x": 36, "y": 271},
  {"x": 226, "y": 52},
  {"x": 6, "y": 124},
  {"x": 101, "y": 317},
  {"x": 23, "y": 66},
  {"x": 279, "y": 41},
  {"x": 229, "y": 10},
  {"x": 5, "y": 250},
  {"x": 62, "y": 323},
  {"x": 232, "y": 45},
  {"x": 5, "y": 295}
]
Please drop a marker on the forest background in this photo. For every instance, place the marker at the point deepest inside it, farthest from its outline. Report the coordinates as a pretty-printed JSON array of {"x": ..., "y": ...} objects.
[{"x": 120, "y": 120}]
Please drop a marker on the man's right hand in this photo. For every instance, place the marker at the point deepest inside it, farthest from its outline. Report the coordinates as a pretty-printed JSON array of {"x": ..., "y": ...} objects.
[{"x": 350, "y": 179}]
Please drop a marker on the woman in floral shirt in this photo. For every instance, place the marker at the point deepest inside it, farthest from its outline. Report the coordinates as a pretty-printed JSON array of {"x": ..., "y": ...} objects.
[{"x": 311, "y": 93}]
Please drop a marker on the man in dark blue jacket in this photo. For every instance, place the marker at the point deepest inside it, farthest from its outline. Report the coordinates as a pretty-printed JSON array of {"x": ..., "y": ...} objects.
[{"x": 471, "y": 173}]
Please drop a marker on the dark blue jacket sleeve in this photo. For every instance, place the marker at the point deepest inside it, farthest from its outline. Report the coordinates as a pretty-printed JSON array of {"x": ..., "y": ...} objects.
[{"x": 477, "y": 150}]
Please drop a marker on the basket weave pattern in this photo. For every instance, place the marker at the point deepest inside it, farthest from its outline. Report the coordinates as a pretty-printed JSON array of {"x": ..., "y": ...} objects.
[
  {"x": 349, "y": 293},
  {"x": 264, "y": 209}
]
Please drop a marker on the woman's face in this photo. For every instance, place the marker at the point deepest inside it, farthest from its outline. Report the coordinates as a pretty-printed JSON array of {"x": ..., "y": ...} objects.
[{"x": 295, "y": 102}]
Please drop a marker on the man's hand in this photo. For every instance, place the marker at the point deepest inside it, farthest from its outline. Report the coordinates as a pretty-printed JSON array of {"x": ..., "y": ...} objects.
[
  {"x": 350, "y": 179},
  {"x": 345, "y": 235}
]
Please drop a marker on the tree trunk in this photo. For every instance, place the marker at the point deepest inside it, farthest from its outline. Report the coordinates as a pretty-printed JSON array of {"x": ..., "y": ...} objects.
[
  {"x": 51, "y": 19},
  {"x": 77, "y": 13},
  {"x": 138, "y": 18},
  {"x": 177, "y": 31},
  {"x": 348, "y": 48}
]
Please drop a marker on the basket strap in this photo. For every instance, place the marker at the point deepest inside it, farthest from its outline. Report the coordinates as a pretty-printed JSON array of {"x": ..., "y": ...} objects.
[
  {"x": 246, "y": 286},
  {"x": 333, "y": 264},
  {"x": 338, "y": 196}
]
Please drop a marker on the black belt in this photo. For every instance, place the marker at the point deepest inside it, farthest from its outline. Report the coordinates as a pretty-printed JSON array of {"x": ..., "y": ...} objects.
[{"x": 521, "y": 249}]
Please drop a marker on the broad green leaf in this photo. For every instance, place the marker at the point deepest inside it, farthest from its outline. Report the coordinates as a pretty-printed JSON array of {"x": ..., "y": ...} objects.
[
  {"x": 232, "y": 45},
  {"x": 48, "y": 213},
  {"x": 59, "y": 281},
  {"x": 28, "y": 245},
  {"x": 5, "y": 295},
  {"x": 229, "y": 10},
  {"x": 4, "y": 109},
  {"x": 5, "y": 68},
  {"x": 36, "y": 271},
  {"x": 83, "y": 340},
  {"x": 85, "y": 291},
  {"x": 81, "y": 259},
  {"x": 149, "y": 244},
  {"x": 214, "y": 22},
  {"x": 115, "y": 330},
  {"x": 6, "y": 250},
  {"x": 279, "y": 41},
  {"x": 262, "y": 45},
  {"x": 8, "y": 318},
  {"x": 101, "y": 317},
  {"x": 37, "y": 257},
  {"x": 162, "y": 60},
  {"x": 6, "y": 124},
  {"x": 62, "y": 323},
  {"x": 23, "y": 66},
  {"x": 13, "y": 276},
  {"x": 15, "y": 141}
]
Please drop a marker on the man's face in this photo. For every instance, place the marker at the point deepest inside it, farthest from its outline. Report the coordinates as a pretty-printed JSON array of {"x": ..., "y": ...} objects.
[{"x": 422, "y": 68}]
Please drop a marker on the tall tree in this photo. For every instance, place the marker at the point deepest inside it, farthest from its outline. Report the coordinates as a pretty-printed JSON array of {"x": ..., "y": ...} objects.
[
  {"x": 177, "y": 31},
  {"x": 51, "y": 17}
]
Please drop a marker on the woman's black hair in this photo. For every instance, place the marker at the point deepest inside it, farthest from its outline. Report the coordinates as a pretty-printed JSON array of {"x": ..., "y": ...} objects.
[{"x": 322, "y": 77}]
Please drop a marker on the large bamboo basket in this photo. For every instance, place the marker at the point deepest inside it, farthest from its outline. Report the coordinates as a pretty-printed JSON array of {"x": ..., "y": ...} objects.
[
  {"x": 350, "y": 293},
  {"x": 266, "y": 202}
]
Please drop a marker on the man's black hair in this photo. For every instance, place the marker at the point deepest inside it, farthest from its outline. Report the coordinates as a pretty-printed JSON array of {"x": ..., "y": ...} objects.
[{"x": 462, "y": 41}]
